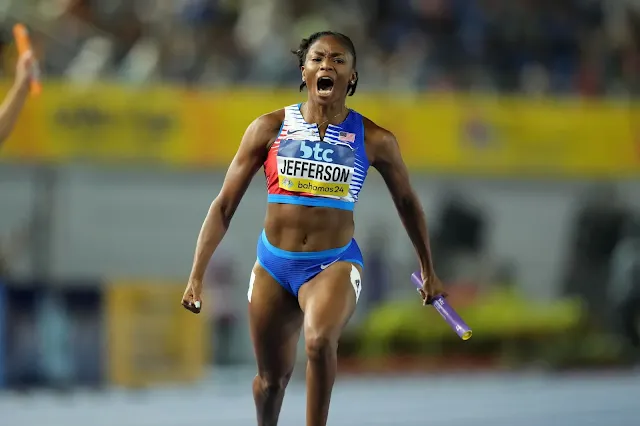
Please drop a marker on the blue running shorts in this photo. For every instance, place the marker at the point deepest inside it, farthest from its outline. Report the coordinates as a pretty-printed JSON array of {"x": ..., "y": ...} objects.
[{"x": 293, "y": 269}]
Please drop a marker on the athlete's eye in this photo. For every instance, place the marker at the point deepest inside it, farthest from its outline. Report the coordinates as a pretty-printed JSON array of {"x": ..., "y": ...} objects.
[
  {"x": 339, "y": 60},
  {"x": 316, "y": 59}
]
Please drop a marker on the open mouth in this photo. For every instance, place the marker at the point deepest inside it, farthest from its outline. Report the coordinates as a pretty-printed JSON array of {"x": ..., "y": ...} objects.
[{"x": 325, "y": 85}]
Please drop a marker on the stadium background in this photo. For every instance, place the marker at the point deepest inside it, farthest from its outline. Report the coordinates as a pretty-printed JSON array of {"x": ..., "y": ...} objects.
[{"x": 518, "y": 119}]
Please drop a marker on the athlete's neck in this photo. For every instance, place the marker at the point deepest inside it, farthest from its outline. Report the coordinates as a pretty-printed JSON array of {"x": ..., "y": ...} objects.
[{"x": 323, "y": 115}]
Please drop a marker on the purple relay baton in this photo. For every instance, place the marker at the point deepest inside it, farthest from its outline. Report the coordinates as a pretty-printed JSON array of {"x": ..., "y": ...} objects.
[{"x": 446, "y": 311}]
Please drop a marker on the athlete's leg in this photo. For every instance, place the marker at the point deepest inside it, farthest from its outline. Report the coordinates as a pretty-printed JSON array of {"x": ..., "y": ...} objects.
[
  {"x": 328, "y": 301},
  {"x": 275, "y": 321}
]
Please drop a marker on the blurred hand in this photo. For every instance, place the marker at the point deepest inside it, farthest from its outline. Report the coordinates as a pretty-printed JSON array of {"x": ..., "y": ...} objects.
[
  {"x": 24, "y": 68},
  {"x": 431, "y": 287},
  {"x": 192, "y": 300}
]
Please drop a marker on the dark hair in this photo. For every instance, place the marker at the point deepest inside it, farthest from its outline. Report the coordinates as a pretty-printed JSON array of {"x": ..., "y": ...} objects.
[{"x": 305, "y": 44}]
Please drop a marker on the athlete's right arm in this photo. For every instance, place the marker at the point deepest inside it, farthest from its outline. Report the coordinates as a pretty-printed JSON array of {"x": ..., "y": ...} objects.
[
  {"x": 15, "y": 99},
  {"x": 250, "y": 156}
]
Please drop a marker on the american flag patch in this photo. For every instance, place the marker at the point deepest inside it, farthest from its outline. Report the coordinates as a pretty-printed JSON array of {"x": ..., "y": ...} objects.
[{"x": 347, "y": 137}]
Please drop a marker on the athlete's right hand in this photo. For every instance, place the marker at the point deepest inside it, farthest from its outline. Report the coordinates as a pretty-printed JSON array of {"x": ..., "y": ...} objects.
[{"x": 192, "y": 300}]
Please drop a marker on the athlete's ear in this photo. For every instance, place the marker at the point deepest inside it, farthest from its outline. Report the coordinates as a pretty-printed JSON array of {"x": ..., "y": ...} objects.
[
  {"x": 354, "y": 78},
  {"x": 304, "y": 79}
]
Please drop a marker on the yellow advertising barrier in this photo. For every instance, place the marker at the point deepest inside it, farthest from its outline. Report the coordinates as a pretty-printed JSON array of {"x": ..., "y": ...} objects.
[
  {"x": 151, "y": 338},
  {"x": 444, "y": 133},
  {"x": 516, "y": 136},
  {"x": 103, "y": 123},
  {"x": 464, "y": 134}
]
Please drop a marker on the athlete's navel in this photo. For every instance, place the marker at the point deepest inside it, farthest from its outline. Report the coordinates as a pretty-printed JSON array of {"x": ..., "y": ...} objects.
[{"x": 305, "y": 239}]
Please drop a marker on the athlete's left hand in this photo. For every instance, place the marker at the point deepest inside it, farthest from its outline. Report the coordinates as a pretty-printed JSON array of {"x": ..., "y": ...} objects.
[
  {"x": 431, "y": 287},
  {"x": 24, "y": 69},
  {"x": 192, "y": 300}
]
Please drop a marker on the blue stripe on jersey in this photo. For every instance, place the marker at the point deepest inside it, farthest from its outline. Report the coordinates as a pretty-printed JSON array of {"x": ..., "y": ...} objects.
[{"x": 311, "y": 201}]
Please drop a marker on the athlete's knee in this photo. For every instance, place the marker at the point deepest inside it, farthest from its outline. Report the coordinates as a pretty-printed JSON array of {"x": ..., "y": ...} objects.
[
  {"x": 270, "y": 384},
  {"x": 320, "y": 346}
]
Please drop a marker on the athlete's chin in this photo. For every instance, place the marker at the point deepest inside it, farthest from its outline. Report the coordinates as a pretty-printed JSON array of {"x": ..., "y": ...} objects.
[{"x": 325, "y": 98}]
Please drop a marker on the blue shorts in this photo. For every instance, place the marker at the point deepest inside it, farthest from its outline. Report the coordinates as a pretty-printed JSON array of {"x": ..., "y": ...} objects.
[{"x": 293, "y": 269}]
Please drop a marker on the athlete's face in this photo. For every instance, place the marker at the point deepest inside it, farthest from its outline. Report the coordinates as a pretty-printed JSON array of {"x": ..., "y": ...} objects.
[{"x": 328, "y": 70}]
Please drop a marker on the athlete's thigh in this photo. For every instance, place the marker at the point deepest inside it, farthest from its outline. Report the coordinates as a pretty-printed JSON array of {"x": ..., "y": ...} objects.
[
  {"x": 275, "y": 320},
  {"x": 329, "y": 299}
]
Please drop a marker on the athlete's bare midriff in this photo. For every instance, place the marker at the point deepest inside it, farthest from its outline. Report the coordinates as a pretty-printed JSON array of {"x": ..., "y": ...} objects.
[{"x": 298, "y": 228}]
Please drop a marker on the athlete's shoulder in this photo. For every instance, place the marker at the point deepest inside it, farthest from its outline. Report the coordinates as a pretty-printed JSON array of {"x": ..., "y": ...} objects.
[
  {"x": 269, "y": 122},
  {"x": 375, "y": 134},
  {"x": 381, "y": 144},
  {"x": 264, "y": 130}
]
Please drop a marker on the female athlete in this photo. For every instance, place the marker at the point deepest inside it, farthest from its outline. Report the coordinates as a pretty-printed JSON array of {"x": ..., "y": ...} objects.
[{"x": 309, "y": 268}]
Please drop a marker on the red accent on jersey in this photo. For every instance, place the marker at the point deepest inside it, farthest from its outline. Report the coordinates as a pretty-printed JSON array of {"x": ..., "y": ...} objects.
[{"x": 271, "y": 169}]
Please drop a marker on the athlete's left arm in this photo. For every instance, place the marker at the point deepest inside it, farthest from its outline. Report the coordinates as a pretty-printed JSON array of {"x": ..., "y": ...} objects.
[{"x": 385, "y": 157}]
